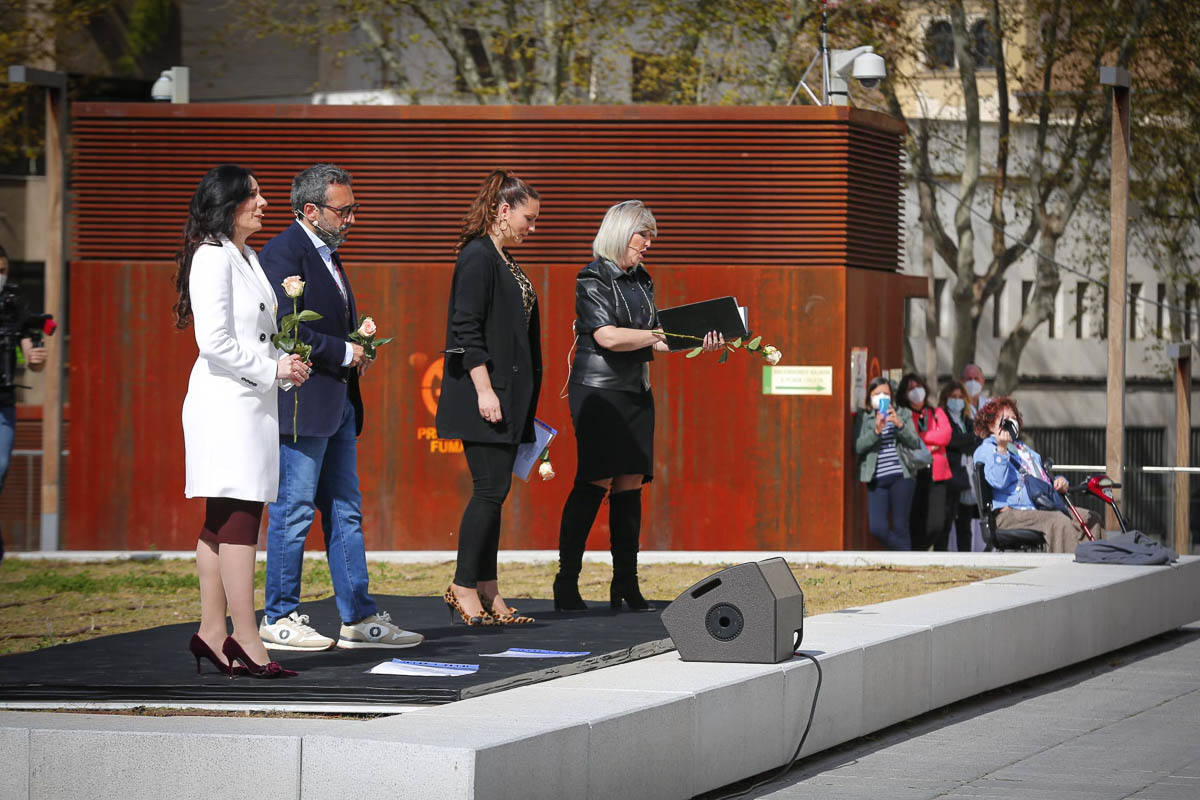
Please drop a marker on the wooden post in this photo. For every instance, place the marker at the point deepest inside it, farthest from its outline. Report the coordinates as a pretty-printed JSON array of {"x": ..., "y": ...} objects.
[
  {"x": 52, "y": 403},
  {"x": 55, "y": 84},
  {"x": 1182, "y": 353},
  {"x": 1114, "y": 436}
]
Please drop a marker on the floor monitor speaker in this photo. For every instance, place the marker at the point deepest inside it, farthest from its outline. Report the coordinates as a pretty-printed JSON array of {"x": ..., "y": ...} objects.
[{"x": 751, "y": 613}]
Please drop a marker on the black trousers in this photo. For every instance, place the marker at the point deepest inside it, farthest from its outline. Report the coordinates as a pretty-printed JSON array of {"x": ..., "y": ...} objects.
[{"x": 479, "y": 533}]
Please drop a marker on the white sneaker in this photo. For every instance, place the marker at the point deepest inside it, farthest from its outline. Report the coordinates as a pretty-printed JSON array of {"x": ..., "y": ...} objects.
[
  {"x": 292, "y": 633},
  {"x": 377, "y": 630}
]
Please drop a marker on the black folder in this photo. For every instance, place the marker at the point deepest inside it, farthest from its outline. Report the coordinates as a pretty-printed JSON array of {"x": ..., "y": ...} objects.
[{"x": 696, "y": 319}]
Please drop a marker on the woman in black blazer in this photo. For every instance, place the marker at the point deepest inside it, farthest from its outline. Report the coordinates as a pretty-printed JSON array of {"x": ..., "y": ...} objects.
[{"x": 490, "y": 385}]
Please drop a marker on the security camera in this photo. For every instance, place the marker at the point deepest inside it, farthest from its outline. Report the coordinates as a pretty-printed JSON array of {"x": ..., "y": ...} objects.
[
  {"x": 161, "y": 92},
  {"x": 869, "y": 70},
  {"x": 861, "y": 63}
]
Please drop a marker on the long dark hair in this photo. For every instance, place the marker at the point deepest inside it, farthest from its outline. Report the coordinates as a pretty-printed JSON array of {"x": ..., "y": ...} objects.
[
  {"x": 501, "y": 186},
  {"x": 210, "y": 213}
]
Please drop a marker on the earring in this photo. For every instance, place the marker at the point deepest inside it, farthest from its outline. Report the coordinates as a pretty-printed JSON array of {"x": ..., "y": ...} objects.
[{"x": 503, "y": 225}]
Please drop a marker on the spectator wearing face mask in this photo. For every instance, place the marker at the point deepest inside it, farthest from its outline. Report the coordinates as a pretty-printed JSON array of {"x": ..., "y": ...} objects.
[
  {"x": 1008, "y": 462},
  {"x": 879, "y": 427},
  {"x": 972, "y": 381},
  {"x": 929, "y": 494},
  {"x": 960, "y": 500}
]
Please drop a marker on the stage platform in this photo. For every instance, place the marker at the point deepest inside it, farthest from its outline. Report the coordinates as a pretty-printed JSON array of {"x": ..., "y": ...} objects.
[
  {"x": 154, "y": 667},
  {"x": 652, "y": 728}
]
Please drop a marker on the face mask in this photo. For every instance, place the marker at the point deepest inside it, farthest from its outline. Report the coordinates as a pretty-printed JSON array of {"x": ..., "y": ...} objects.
[
  {"x": 956, "y": 405},
  {"x": 877, "y": 400},
  {"x": 973, "y": 387},
  {"x": 916, "y": 395}
]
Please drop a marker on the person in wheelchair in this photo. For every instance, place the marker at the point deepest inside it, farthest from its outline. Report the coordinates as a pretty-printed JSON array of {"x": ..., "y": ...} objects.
[{"x": 1023, "y": 493}]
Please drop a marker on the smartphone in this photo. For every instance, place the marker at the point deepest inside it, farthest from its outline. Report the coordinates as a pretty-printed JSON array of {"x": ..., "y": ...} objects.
[{"x": 884, "y": 405}]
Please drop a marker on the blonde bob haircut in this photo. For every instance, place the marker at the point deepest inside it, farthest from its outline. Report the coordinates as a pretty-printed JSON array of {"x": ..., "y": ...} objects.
[{"x": 620, "y": 223}]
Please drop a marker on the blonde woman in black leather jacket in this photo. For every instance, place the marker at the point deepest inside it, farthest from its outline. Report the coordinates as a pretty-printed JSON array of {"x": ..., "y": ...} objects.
[{"x": 612, "y": 407}]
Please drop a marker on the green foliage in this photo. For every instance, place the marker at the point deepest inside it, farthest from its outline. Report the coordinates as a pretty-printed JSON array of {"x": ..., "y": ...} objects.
[{"x": 149, "y": 23}]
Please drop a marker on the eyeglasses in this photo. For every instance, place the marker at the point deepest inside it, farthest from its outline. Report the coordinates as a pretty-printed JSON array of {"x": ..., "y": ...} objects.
[{"x": 343, "y": 212}]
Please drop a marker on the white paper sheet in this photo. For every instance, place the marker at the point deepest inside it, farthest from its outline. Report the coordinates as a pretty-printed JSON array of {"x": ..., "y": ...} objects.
[
  {"x": 399, "y": 667},
  {"x": 520, "y": 652}
]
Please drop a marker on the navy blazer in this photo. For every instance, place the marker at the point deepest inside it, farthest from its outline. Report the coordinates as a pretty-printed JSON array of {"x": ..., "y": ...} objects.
[
  {"x": 485, "y": 324},
  {"x": 323, "y": 395}
]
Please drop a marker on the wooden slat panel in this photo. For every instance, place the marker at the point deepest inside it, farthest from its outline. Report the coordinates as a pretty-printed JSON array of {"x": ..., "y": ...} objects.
[
  {"x": 780, "y": 207},
  {"x": 767, "y": 187}
]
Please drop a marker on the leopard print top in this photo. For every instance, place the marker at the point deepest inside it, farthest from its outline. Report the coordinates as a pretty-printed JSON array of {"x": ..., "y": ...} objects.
[{"x": 528, "y": 295}]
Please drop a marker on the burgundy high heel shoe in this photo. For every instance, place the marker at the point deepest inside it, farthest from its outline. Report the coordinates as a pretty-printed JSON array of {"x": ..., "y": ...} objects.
[
  {"x": 200, "y": 649},
  {"x": 271, "y": 669}
]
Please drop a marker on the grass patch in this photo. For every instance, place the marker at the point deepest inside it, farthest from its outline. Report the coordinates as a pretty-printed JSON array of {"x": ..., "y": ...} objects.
[{"x": 44, "y": 603}]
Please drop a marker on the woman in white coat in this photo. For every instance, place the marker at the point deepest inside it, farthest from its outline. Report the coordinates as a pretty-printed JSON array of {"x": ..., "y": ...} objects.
[{"x": 230, "y": 414}]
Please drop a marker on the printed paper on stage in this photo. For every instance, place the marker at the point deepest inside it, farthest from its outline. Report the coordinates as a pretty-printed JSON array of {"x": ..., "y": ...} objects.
[
  {"x": 521, "y": 652},
  {"x": 423, "y": 668}
]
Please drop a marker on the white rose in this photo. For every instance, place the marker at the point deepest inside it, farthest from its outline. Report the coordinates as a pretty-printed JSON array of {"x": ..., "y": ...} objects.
[
  {"x": 293, "y": 286},
  {"x": 545, "y": 470},
  {"x": 367, "y": 328},
  {"x": 772, "y": 354}
]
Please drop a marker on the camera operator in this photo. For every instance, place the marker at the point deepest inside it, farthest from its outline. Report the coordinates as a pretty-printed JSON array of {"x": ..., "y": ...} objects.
[
  {"x": 1010, "y": 466},
  {"x": 14, "y": 331}
]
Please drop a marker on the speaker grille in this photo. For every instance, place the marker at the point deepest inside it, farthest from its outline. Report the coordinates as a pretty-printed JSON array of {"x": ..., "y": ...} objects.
[{"x": 724, "y": 621}]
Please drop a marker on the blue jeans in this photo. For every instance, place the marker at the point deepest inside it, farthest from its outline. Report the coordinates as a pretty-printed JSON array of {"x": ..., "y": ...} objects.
[
  {"x": 8, "y": 428},
  {"x": 890, "y": 496},
  {"x": 318, "y": 473}
]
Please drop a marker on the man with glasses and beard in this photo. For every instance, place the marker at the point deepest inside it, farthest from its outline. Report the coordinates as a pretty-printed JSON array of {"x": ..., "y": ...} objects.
[{"x": 318, "y": 466}]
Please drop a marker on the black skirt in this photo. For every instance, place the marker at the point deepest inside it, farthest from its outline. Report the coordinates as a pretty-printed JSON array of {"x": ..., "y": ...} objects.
[{"x": 614, "y": 432}]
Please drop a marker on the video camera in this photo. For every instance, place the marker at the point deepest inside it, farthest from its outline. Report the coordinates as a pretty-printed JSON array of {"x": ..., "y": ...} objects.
[{"x": 16, "y": 323}]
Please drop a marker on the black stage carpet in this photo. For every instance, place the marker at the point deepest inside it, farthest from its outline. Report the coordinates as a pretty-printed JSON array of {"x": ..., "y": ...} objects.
[{"x": 154, "y": 666}]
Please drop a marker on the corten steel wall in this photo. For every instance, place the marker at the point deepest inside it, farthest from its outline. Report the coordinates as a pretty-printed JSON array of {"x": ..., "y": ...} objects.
[{"x": 796, "y": 211}]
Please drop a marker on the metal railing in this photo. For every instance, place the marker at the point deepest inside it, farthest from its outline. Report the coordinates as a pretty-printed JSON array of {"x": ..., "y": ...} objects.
[{"x": 1147, "y": 495}]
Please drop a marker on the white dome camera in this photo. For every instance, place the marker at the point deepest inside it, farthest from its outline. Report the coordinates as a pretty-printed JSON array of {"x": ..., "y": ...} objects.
[{"x": 869, "y": 70}]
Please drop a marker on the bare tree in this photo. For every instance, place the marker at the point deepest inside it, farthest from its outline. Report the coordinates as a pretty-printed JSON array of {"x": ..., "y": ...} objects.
[{"x": 1062, "y": 127}]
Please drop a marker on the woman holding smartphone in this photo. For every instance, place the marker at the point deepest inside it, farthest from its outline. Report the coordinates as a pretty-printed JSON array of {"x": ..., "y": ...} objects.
[{"x": 878, "y": 427}]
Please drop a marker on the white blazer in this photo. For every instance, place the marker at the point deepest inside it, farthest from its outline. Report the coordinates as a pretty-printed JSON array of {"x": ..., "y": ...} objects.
[{"x": 230, "y": 414}]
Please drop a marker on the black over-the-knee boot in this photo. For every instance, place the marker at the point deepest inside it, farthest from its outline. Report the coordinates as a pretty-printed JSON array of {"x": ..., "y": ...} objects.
[
  {"x": 625, "y": 525},
  {"x": 579, "y": 512}
]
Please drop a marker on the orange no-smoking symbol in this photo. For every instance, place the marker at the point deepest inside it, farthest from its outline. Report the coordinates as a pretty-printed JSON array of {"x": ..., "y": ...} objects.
[{"x": 431, "y": 385}]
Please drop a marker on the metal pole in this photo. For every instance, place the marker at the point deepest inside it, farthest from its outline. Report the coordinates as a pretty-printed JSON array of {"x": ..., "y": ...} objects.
[
  {"x": 1114, "y": 437},
  {"x": 1182, "y": 353},
  {"x": 824, "y": 58}
]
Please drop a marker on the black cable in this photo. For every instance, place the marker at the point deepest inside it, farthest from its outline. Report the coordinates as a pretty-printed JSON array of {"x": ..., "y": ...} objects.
[{"x": 796, "y": 755}]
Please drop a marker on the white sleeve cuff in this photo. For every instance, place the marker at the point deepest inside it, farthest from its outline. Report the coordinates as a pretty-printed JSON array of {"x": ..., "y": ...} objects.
[{"x": 349, "y": 354}]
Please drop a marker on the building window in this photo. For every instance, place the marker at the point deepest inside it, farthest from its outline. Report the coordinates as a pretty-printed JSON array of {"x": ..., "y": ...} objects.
[
  {"x": 1160, "y": 312},
  {"x": 1191, "y": 295},
  {"x": 1135, "y": 311},
  {"x": 1052, "y": 318},
  {"x": 1081, "y": 288},
  {"x": 939, "y": 45},
  {"x": 1104, "y": 315},
  {"x": 997, "y": 306},
  {"x": 983, "y": 45}
]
